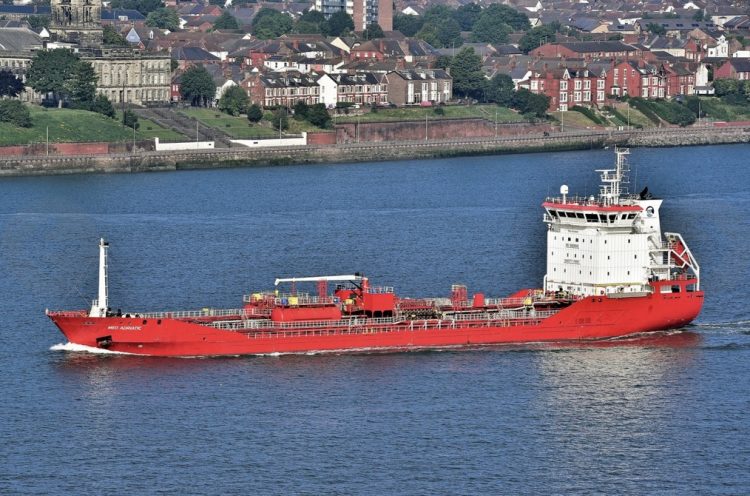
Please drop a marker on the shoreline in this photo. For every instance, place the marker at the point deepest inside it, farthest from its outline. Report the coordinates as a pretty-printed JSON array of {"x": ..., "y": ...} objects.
[{"x": 367, "y": 152}]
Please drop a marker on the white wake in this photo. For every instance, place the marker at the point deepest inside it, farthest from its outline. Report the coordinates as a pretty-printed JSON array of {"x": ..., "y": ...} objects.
[{"x": 84, "y": 349}]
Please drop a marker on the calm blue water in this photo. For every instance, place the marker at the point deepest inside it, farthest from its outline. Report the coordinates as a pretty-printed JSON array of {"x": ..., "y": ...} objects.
[{"x": 665, "y": 416}]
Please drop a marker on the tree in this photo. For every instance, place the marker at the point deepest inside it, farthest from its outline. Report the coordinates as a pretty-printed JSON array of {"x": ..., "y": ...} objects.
[
  {"x": 437, "y": 13},
  {"x": 129, "y": 119},
  {"x": 163, "y": 18},
  {"x": 102, "y": 105},
  {"x": 310, "y": 22},
  {"x": 10, "y": 85},
  {"x": 112, "y": 37},
  {"x": 15, "y": 112},
  {"x": 487, "y": 31},
  {"x": 254, "y": 113},
  {"x": 197, "y": 86},
  {"x": 280, "y": 120},
  {"x": 81, "y": 86},
  {"x": 145, "y": 7},
  {"x": 38, "y": 21},
  {"x": 50, "y": 71},
  {"x": 699, "y": 15},
  {"x": 443, "y": 61},
  {"x": 466, "y": 70},
  {"x": 300, "y": 110},
  {"x": 530, "y": 103},
  {"x": 226, "y": 21},
  {"x": 339, "y": 23},
  {"x": 467, "y": 15},
  {"x": 724, "y": 87},
  {"x": 441, "y": 32},
  {"x": 409, "y": 25},
  {"x": 270, "y": 23},
  {"x": 496, "y": 22},
  {"x": 534, "y": 38},
  {"x": 317, "y": 115},
  {"x": 234, "y": 101},
  {"x": 373, "y": 31},
  {"x": 500, "y": 89},
  {"x": 654, "y": 28}
]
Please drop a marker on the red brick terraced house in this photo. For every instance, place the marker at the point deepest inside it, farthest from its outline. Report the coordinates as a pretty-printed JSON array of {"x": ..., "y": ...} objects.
[
  {"x": 734, "y": 68},
  {"x": 637, "y": 78},
  {"x": 419, "y": 86},
  {"x": 567, "y": 87},
  {"x": 588, "y": 50},
  {"x": 281, "y": 90}
]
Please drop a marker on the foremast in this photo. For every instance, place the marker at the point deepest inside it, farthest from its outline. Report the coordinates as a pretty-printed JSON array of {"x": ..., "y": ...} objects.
[{"x": 100, "y": 306}]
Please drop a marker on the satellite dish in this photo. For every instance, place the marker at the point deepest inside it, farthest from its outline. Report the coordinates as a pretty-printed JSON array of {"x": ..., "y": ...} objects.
[{"x": 564, "y": 189}]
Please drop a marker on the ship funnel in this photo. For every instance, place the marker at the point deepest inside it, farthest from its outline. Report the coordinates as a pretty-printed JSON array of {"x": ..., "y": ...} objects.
[{"x": 100, "y": 305}]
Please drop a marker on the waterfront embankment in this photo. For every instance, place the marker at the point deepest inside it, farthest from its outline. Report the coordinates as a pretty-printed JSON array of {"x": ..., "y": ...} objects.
[{"x": 361, "y": 152}]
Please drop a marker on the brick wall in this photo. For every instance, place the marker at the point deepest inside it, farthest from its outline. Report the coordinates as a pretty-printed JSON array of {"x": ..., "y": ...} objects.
[
  {"x": 67, "y": 149},
  {"x": 321, "y": 138},
  {"x": 436, "y": 129}
]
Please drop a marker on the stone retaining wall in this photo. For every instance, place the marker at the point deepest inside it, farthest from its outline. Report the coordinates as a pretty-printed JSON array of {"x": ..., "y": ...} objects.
[{"x": 364, "y": 152}]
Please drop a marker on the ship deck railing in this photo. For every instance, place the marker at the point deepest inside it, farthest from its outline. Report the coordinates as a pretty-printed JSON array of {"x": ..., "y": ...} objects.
[
  {"x": 369, "y": 326},
  {"x": 284, "y": 299},
  {"x": 187, "y": 314}
]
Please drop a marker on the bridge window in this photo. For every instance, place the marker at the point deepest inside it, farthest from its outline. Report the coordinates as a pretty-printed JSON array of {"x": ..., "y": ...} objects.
[{"x": 592, "y": 218}]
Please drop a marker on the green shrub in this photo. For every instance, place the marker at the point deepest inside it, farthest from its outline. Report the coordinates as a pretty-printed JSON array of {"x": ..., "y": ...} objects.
[
  {"x": 642, "y": 106},
  {"x": 15, "y": 112},
  {"x": 588, "y": 113}
]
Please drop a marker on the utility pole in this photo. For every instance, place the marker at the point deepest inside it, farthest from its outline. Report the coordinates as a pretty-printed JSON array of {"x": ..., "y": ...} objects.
[
  {"x": 47, "y": 140},
  {"x": 425, "y": 127},
  {"x": 628, "y": 116},
  {"x": 495, "y": 122},
  {"x": 562, "y": 121}
]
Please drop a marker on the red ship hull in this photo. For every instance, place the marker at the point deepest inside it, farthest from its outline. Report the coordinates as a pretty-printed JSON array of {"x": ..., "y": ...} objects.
[{"x": 591, "y": 318}]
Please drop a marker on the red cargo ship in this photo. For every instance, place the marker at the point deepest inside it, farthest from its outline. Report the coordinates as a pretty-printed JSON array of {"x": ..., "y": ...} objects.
[{"x": 610, "y": 273}]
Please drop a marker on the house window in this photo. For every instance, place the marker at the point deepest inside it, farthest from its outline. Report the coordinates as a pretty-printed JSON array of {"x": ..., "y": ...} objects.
[
  {"x": 577, "y": 96},
  {"x": 563, "y": 97},
  {"x": 534, "y": 84},
  {"x": 644, "y": 93},
  {"x": 600, "y": 84},
  {"x": 586, "y": 96},
  {"x": 599, "y": 96},
  {"x": 587, "y": 84},
  {"x": 563, "y": 85},
  {"x": 578, "y": 84}
]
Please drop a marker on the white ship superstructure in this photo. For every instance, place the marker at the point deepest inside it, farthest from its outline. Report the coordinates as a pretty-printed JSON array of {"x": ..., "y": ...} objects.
[{"x": 611, "y": 244}]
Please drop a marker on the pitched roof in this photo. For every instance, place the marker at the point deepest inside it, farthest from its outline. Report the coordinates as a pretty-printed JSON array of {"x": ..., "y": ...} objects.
[
  {"x": 122, "y": 15},
  {"x": 19, "y": 40},
  {"x": 598, "y": 46},
  {"x": 193, "y": 53},
  {"x": 740, "y": 65}
]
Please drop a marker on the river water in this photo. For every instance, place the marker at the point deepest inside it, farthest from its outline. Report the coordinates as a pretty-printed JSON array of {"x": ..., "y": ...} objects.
[{"x": 664, "y": 415}]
